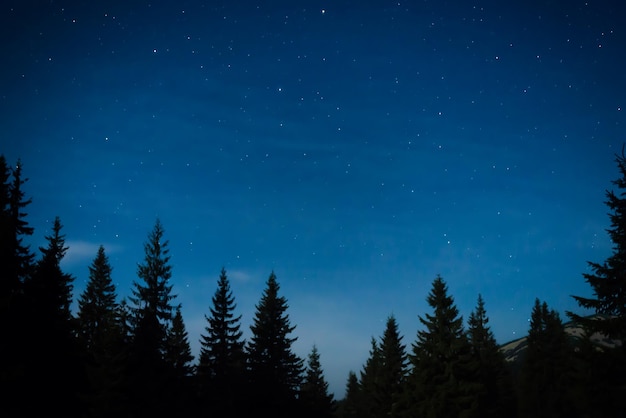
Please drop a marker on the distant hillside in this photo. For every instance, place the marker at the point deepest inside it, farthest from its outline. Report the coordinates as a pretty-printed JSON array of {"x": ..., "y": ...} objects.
[{"x": 513, "y": 349}]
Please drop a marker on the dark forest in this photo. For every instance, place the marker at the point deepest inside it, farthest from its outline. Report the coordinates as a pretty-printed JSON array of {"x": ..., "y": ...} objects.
[{"x": 130, "y": 356}]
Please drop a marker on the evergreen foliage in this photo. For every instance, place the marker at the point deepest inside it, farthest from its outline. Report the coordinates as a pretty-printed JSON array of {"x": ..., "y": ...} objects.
[
  {"x": 9, "y": 282},
  {"x": 221, "y": 369},
  {"x": 48, "y": 294},
  {"x": 49, "y": 290},
  {"x": 178, "y": 352},
  {"x": 496, "y": 399},
  {"x": 606, "y": 367},
  {"x": 608, "y": 279},
  {"x": 383, "y": 376},
  {"x": 16, "y": 263},
  {"x": 348, "y": 407},
  {"x": 178, "y": 359},
  {"x": 368, "y": 382},
  {"x": 23, "y": 258},
  {"x": 151, "y": 315},
  {"x": 152, "y": 310},
  {"x": 16, "y": 259},
  {"x": 442, "y": 381},
  {"x": 113, "y": 359},
  {"x": 275, "y": 370},
  {"x": 393, "y": 370},
  {"x": 97, "y": 308},
  {"x": 316, "y": 401},
  {"x": 596, "y": 376},
  {"x": 102, "y": 338},
  {"x": 545, "y": 374},
  {"x": 124, "y": 316}
]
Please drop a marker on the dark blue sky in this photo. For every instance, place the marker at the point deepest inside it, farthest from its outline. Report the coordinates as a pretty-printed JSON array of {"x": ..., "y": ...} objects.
[{"x": 356, "y": 149}]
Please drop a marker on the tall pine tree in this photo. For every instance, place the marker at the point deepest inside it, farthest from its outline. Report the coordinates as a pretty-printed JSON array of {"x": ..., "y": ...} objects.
[
  {"x": 546, "y": 365},
  {"x": 16, "y": 259},
  {"x": 348, "y": 407},
  {"x": 607, "y": 366},
  {"x": 178, "y": 352},
  {"x": 368, "y": 382},
  {"x": 393, "y": 370},
  {"x": 441, "y": 382},
  {"x": 152, "y": 298},
  {"x": 178, "y": 358},
  {"x": 151, "y": 319},
  {"x": 49, "y": 290},
  {"x": 221, "y": 369},
  {"x": 608, "y": 279},
  {"x": 101, "y": 335},
  {"x": 51, "y": 345},
  {"x": 497, "y": 398},
  {"x": 383, "y": 377},
  {"x": 22, "y": 256},
  {"x": 316, "y": 401},
  {"x": 16, "y": 263},
  {"x": 275, "y": 370},
  {"x": 97, "y": 308}
]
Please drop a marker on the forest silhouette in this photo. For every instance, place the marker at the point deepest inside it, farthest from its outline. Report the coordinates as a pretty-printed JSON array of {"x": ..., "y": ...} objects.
[{"x": 131, "y": 357}]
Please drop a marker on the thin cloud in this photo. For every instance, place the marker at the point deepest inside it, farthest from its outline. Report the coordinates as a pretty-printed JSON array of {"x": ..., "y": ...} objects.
[
  {"x": 82, "y": 252},
  {"x": 239, "y": 276}
]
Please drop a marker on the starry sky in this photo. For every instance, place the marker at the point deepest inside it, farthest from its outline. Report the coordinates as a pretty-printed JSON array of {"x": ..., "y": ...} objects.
[{"x": 356, "y": 149}]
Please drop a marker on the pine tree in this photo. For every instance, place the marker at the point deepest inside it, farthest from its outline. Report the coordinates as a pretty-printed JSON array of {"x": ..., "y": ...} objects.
[
  {"x": 597, "y": 379},
  {"x": 497, "y": 397},
  {"x": 16, "y": 263},
  {"x": 393, "y": 369},
  {"x": 97, "y": 306},
  {"x": 48, "y": 295},
  {"x": 348, "y": 407},
  {"x": 178, "y": 354},
  {"x": 545, "y": 369},
  {"x": 50, "y": 290},
  {"x": 608, "y": 279},
  {"x": 276, "y": 371},
  {"x": 606, "y": 366},
  {"x": 152, "y": 309},
  {"x": 316, "y": 401},
  {"x": 178, "y": 359},
  {"x": 441, "y": 381},
  {"x": 102, "y": 337},
  {"x": 16, "y": 259},
  {"x": 23, "y": 257},
  {"x": 151, "y": 318},
  {"x": 369, "y": 382},
  {"x": 221, "y": 369},
  {"x": 384, "y": 375}
]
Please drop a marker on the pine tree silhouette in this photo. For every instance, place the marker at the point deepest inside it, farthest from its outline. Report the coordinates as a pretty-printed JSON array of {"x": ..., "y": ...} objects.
[
  {"x": 316, "y": 401},
  {"x": 276, "y": 371},
  {"x": 222, "y": 365},
  {"x": 497, "y": 397},
  {"x": 101, "y": 335},
  {"x": 441, "y": 381},
  {"x": 48, "y": 296},
  {"x": 151, "y": 315}
]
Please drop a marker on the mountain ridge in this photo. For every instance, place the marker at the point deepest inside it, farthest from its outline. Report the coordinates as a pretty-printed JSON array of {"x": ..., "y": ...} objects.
[{"x": 513, "y": 349}]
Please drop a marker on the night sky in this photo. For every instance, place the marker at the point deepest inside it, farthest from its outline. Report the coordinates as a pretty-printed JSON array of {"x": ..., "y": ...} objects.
[{"x": 356, "y": 149}]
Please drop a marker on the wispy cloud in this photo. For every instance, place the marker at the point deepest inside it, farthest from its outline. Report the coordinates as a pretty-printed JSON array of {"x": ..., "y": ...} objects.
[
  {"x": 81, "y": 252},
  {"x": 240, "y": 276}
]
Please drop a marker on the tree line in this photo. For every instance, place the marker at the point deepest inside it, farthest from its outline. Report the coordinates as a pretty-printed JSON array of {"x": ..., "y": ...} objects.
[{"x": 130, "y": 357}]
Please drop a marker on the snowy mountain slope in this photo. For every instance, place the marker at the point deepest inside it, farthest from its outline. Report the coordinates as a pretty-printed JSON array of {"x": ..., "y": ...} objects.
[{"x": 513, "y": 349}]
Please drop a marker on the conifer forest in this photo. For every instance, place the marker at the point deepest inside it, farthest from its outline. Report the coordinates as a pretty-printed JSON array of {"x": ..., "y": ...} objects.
[{"x": 127, "y": 354}]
